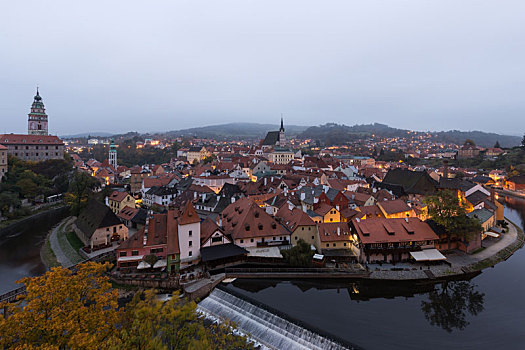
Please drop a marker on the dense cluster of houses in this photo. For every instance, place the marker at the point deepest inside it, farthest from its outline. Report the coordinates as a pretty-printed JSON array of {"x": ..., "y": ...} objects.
[
  {"x": 255, "y": 201},
  {"x": 243, "y": 205}
]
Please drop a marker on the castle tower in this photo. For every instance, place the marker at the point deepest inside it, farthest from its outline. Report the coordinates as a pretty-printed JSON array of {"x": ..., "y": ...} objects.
[
  {"x": 37, "y": 119},
  {"x": 282, "y": 139},
  {"x": 113, "y": 154}
]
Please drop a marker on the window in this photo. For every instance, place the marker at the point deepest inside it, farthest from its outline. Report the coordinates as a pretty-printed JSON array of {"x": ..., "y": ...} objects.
[
  {"x": 327, "y": 245},
  {"x": 190, "y": 243},
  {"x": 344, "y": 244},
  {"x": 156, "y": 250},
  {"x": 334, "y": 244},
  {"x": 190, "y": 233},
  {"x": 134, "y": 252},
  {"x": 302, "y": 228},
  {"x": 312, "y": 237},
  {"x": 251, "y": 240},
  {"x": 190, "y": 253},
  {"x": 242, "y": 240},
  {"x": 123, "y": 254},
  {"x": 216, "y": 239}
]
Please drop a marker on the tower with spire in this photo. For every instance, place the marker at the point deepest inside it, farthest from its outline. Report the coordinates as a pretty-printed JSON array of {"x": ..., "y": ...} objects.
[
  {"x": 282, "y": 138},
  {"x": 113, "y": 154},
  {"x": 37, "y": 119}
]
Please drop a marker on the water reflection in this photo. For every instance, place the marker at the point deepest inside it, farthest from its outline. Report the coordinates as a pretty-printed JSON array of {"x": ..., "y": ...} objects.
[
  {"x": 448, "y": 305},
  {"x": 517, "y": 206}
]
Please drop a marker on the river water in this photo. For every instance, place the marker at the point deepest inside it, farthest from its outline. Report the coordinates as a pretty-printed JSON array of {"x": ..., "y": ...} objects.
[
  {"x": 485, "y": 312},
  {"x": 20, "y": 252}
]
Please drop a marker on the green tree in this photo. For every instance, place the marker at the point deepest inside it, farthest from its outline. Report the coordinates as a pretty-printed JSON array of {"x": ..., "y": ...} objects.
[
  {"x": 523, "y": 142},
  {"x": 27, "y": 187},
  {"x": 80, "y": 190},
  {"x": 299, "y": 255},
  {"x": 446, "y": 210}
]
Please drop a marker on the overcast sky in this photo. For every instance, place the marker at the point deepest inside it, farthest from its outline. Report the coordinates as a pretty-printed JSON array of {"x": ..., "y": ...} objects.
[{"x": 142, "y": 66}]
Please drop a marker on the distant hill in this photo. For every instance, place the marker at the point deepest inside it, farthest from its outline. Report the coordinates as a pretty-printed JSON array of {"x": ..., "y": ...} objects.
[
  {"x": 236, "y": 131},
  {"x": 86, "y": 134},
  {"x": 483, "y": 139},
  {"x": 335, "y": 134}
]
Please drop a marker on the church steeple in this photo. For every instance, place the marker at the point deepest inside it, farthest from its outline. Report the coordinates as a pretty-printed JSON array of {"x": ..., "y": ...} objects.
[
  {"x": 37, "y": 119},
  {"x": 282, "y": 138}
]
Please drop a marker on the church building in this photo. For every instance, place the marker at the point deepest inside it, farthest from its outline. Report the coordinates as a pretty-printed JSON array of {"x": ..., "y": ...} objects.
[{"x": 275, "y": 138}]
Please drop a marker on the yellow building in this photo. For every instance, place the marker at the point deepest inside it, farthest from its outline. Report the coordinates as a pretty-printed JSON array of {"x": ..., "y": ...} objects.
[
  {"x": 328, "y": 213},
  {"x": 300, "y": 225},
  {"x": 118, "y": 200},
  {"x": 336, "y": 235}
]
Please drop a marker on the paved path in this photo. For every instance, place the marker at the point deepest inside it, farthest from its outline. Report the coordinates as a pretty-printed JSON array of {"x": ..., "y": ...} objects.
[
  {"x": 492, "y": 247},
  {"x": 61, "y": 256}
]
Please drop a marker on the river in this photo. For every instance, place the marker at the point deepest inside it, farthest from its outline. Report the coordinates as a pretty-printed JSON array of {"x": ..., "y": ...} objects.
[
  {"x": 486, "y": 312},
  {"x": 20, "y": 251}
]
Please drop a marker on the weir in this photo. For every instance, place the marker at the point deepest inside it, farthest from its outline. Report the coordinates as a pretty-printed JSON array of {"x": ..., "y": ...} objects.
[{"x": 267, "y": 328}]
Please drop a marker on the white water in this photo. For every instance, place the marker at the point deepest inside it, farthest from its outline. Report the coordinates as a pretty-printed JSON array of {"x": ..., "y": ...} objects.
[{"x": 270, "y": 330}]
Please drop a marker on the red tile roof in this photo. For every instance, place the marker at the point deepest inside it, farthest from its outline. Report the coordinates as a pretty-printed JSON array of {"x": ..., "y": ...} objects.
[
  {"x": 381, "y": 230},
  {"x": 395, "y": 206},
  {"x": 118, "y": 196},
  {"x": 291, "y": 219},
  {"x": 189, "y": 215},
  {"x": 30, "y": 139},
  {"x": 334, "y": 231},
  {"x": 245, "y": 219}
]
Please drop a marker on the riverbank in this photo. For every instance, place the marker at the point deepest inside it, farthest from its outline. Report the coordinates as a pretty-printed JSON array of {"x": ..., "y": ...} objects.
[
  {"x": 15, "y": 226},
  {"x": 506, "y": 192}
]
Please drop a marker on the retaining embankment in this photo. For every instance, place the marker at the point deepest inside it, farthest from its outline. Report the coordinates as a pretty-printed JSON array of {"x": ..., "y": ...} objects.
[{"x": 54, "y": 215}]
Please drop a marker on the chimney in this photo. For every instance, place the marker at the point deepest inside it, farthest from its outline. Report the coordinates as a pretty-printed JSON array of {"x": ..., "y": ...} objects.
[
  {"x": 194, "y": 195},
  {"x": 303, "y": 196},
  {"x": 338, "y": 231},
  {"x": 233, "y": 199},
  {"x": 265, "y": 181},
  {"x": 493, "y": 195},
  {"x": 445, "y": 169}
]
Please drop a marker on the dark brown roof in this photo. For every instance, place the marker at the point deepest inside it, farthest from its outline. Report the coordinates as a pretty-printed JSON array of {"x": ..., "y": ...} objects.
[
  {"x": 395, "y": 206},
  {"x": 95, "y": 215}
]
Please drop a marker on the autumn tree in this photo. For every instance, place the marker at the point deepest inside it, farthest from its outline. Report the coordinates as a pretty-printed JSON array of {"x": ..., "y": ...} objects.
[
  {"x": 79, "y": 310},
  {"x": 63, "y": 310},
  {"x": 149, "y": 323}
]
